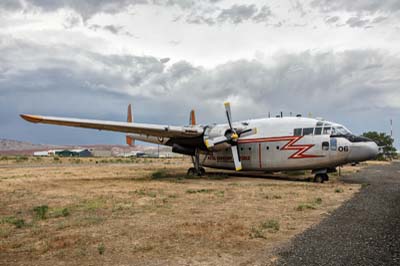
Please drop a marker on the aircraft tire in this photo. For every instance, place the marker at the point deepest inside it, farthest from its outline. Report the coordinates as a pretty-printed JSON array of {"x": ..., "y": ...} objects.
[
  {"x": 326, "y": 177},
  {"x": 191, "y": 171},
  {"x": 319, "y": 178},
  {"x": 202, "y": 171}
]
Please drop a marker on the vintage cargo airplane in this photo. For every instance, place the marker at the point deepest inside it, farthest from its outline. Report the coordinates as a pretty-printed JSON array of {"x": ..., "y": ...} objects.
[{"x": 267, "y": 144}]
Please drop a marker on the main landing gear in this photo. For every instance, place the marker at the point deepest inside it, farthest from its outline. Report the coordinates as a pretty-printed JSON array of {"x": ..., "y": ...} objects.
[
  {"x": 321, "y": 175},
  {"x": 321, "y": 178},
  {"x": 197, "y": 170}
]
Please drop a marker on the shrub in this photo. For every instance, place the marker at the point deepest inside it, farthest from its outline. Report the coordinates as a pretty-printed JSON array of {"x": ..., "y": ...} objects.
[
  {"x": 338, "y": 190},
  {"x": 101, "y": 248},
  {"x": 41, "y": 211},
  {"x": 19, "y": 223},
  {"x": 256, "y": 233},
  {"x": 271, "y": 224},
  {"x": 305, "y": 206},
  {"x": 193, "y": 191},
  {"x": 158, "y": 174},
  {"x": 318, "y": 201},
  {"x": 60, "y": 212}
]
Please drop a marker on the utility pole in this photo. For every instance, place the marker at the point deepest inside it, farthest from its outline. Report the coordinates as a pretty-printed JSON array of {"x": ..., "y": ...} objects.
[{"x": 391, "y": 128}]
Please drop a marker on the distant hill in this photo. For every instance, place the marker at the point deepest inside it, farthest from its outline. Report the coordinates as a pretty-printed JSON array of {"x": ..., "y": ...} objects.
[{"x": 15, "y": 147}]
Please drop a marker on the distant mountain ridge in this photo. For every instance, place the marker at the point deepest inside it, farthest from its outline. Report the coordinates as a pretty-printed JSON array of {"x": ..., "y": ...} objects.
[{"x": 15, "y": 147}]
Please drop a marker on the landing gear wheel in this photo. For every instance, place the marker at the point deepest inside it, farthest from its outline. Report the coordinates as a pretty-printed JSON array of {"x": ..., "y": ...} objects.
[
  {"x": 202, "y": 171},
  {"x": 191, "y": 171},
  {"x": 326, "y": 177},
  {"x": 319, "y": 178}
]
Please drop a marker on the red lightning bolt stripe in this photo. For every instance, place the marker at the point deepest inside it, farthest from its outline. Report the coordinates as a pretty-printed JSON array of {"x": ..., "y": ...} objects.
[{"x": 300, "y": 148}]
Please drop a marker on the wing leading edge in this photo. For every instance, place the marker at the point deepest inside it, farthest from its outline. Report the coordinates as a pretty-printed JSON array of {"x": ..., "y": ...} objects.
[{"x": 138, "y": 128}]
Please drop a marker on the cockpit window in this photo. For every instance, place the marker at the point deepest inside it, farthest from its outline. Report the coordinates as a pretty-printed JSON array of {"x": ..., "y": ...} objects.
[
  {"x": 327, "y": 130},
  {"x": 318, "y": 131},
  {"x": 319, "y": 124}
]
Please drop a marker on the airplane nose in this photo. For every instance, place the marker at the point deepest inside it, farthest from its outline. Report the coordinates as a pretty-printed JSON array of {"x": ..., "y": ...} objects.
[
  {"x": 362, "y": 151},
  {"x": 371, "y": 149}
]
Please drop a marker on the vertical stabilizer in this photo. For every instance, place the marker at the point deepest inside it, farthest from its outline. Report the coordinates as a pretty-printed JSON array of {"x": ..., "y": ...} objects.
[
  {"x": 129, "y": 140},
  {"x": 192, "y": 118}
]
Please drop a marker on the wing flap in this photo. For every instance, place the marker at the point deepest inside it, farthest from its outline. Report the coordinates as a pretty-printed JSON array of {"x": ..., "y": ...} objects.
[{"x": 138, "y": 128}]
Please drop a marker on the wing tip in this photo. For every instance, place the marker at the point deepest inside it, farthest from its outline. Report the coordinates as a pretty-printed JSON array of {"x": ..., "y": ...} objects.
[{"x": 31, "y": 118}]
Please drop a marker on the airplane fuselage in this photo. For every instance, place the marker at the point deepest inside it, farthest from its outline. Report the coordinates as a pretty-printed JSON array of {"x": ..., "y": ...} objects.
[{"x": 288, "y": 143}]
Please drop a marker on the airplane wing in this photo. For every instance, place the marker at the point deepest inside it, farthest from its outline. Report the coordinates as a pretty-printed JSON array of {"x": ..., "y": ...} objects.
[{"x": 138, "y": 128}]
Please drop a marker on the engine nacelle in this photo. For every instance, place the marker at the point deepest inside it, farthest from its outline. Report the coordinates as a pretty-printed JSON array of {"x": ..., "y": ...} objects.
[{"x": 213, "y": 132}]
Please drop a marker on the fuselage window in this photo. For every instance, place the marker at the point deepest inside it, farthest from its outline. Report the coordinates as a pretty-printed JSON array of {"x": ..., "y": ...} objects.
[
  {"x": 325, "y": 146},
  {"x": 297, "y": 132},
  {"x": 267, "y": 147},
  {"x": 277, "y": 147},
  {"x": 333, "y": 144},
  {"x": 249, "y": 148},
  {"x": 308, "y": 131},
  {"x": 318, "y": 131},
  {"x": 241, "y": 149},
  {"x": 326, "y": 131}
]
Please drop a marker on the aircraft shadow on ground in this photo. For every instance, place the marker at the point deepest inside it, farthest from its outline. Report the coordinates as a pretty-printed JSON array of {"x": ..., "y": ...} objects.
[{"x": 259, "y": 175}]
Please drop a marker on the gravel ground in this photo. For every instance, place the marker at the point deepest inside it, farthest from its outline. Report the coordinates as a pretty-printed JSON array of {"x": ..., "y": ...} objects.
[{"x": 364, "y": 231}]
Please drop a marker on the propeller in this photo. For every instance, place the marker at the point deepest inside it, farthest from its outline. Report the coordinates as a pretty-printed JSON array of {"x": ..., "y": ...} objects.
[{"x": 231, "y": 136}]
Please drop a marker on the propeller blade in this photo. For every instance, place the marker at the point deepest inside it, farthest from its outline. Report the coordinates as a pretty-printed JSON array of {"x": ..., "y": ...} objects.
[
  {"x": 247, "y": 132},
  {"x": 228, "y": 113},
  {"x": 236, "y": 160},
  {"x": 215, "y": 141}
]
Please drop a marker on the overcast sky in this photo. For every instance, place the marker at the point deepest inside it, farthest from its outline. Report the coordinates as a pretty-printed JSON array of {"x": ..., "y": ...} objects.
[{"x": 334, "y": 59}]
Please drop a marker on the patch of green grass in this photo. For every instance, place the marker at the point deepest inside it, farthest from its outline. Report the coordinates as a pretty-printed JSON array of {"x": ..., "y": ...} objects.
[
  {"x": 318, "y": 201},
  {"x": 88, "y": 220},
  {"x": 19, "y": 223},
  {"x": 101, "y": 248},
  {"x": 257, "y": 232},
  {"x": 143, "y": 192},
  {"x": 93, "y": 204},
  {"x": 59, "y": 212},
  {"x": 305, "y": 206},
  {"x": 272, "y": 225},
  {"x": 41, "y": 211},
  {"x": 338, "y": 190},
  {"x": 158, "y": 174},
  {"x": 203, "y": 190},
  {"x": 220, "y": 193},
  {"x": 365, "y": 185},
  {"x": 20, "y": 159}
]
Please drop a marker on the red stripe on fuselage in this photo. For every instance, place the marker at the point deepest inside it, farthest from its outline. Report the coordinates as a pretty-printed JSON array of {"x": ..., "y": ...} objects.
[{"x": 290, "y": 145}]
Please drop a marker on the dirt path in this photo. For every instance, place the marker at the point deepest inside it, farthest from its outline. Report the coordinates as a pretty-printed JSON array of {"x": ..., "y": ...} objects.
[{"x": 364, "y": 231}]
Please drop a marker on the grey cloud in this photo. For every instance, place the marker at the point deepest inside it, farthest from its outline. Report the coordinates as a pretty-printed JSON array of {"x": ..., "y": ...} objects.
[
  {"x": 370, "y": 6},
  {"x": 331, "y": 20},
  {"x": 69, "y": 81},
  {"x": 237, "y": 13},
  {"x": 88, "y": 8},
  {"x": 110, "y": 28},
  {"x": 357, "y": 22},
  {"x": 263, "y": 15},
  {"x": 296, "y": 5},
  {"x": 379, "y": 19}
]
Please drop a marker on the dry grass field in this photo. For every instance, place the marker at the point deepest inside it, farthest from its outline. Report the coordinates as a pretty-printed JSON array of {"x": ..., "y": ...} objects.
[{"x": 96, "y": 211}]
